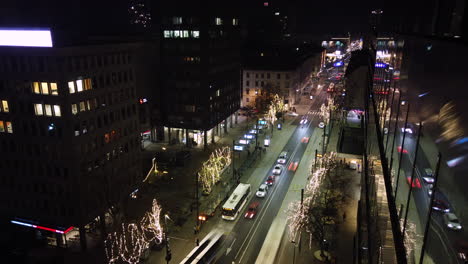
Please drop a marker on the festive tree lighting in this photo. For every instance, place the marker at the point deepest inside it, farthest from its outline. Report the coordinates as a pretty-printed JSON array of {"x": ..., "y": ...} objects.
[
  {"x": 211, "y": 171},
  {"x": 132, "y": 239}
]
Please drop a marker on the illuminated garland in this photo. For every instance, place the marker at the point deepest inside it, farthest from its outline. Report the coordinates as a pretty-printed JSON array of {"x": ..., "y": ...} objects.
[
  {"x": 129, "y": 243},
  {"x": 210, "y": 173}
]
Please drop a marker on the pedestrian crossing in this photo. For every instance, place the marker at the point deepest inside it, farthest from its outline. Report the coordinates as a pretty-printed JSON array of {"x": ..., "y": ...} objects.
[{"x": 314, "y": 113}]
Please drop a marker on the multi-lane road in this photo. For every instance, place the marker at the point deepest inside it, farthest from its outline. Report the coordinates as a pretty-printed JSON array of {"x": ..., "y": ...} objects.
[{"x": 246, "y": 238}]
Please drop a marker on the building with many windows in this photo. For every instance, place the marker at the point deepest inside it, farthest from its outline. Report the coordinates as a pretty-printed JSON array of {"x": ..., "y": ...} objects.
[
  {"x": 200, "y": 62},
  {"x": 69, "y": 131},
  {"x": 283, "y": 71}
]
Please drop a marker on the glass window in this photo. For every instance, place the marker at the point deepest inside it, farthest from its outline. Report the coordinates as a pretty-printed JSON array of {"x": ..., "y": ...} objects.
[
  {"x": 167, "y": 33},
  {"x": 176, "y": 34},
  {"x": 79, "y": 85},
  {"x": 38, "y": 109},
  {"x": 36, "y": 89},
  {"x": 177, "y": 20},
  {"x": 53, "y": 89},
  {"x": 195, "y": 34},
  {"x": 88, "y": 105},
  {"x": 247, "y": 91},
  {"x": 82, "y": 107},
  {"x": 247, "y": 83},
  {"x": 74, "y": 109},
  {"x": 71, "y": 87},
  {"x": 2, "y": 127},
  {"x": 218, "y": 21},
  {"x": 44, "y": 88},
  {"x": 278, "y": 76},
  {"x": 5, "y": 107},
  {"x": 9, "y": 127},
  {"x": 185, "y": 34},
  {"x": 235, "y": 21},
  {"x": 57, "y": 111},
  {"x": 247, "y": 75},
  {"x": 87, "y": 84},
  {"x": 48, "y": 110}
]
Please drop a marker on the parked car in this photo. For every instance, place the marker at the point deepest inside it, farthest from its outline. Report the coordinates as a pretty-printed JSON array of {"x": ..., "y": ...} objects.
[
  {"x": 277, "y": 169},
  {"x": 321, "y": 125},
  {"x": 252, "y": 210},
  {"x": 283, "y": 157},
  {"x": 270, "y": 180},
  {"x": 440, "y": 206},
  {"x": 262, "y": 191},
  {"x": 452, "y": 222},
  {"x": 430, "y": 189}
]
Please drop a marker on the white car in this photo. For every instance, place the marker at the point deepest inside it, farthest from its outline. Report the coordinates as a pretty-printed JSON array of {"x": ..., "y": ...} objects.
[
  {"x": 303, "y": 121},
  {"x": 262, "y": 191},
  {"x": 321, "y": 125},
  {"x": 429, "y": 175},
  {"x": 283, "y": 157},
  {"x": 277, "y": 169},
  {"x": 452, "y": 222}
]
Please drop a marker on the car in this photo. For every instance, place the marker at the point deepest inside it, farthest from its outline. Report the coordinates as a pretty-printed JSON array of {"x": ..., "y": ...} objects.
[
  {"x": 440, "y": 206},
  {"x": 283, "y": 157},
  {"x": 262, "y": 191},
  {"x": 452, "y": 222},
  {"x": 303, "y": 121},
  {"x": 400, "y": 150},
  {"x": 270, "y": 180},
  {"x": 416, "y": 182},
  {"x": 429, "y": 172},
  {"x": 252, "y": 210},
  {"x": 321, "y": 125},
  {"x": 277, "y": 170},
  {"x": 430, "y": 189}
]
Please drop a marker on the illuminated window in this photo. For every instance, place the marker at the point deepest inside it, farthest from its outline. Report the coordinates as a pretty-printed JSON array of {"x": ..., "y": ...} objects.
[
  {"x": 82, "y": 107},
  {"x": 87, "y": 84},
  {"x": 48, "y": 110},
  {"x": 167, "y": 34},
  {"x": 53, "y": 89},
  {"x": 44, "y": 88},
  {"x": 38, "y": 109},
  {"x": 177, "y": 20},
  {"x": 218, "y": 92},
  {"x": 36, "y": 89},
  {"x": 235, "y": 21},
  {"x": 79, "y": 85},
  {"x": 185, "y": 34},
  {"x": 57, "y": 111},
  {"x": 106, "y": 138},
  {"x": 195, "y": 34},
  {"x": 74, "y": 109},
  {"x": 2, "y": 127},
  {"x": 9, "y": 127},
  {"x": 88, "y": 105},
  {"x": 176, "y": 34},
  {"x": 218, "y": 21},
  {"x": 5, "y": 107},
  {"x": 71, "y": 87}
]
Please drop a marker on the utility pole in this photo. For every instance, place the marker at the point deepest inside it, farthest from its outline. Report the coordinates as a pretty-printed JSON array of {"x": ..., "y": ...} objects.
[{"x": 197, "y": 203}]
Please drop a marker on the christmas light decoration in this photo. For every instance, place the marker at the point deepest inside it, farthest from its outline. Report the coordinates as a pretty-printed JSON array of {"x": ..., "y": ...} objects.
[
  {"x": 211, "y": 171},
  {"x": 132, "y": 239}
]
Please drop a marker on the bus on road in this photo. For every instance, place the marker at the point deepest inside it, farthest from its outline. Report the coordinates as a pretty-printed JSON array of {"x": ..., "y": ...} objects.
[{"x": 236, "y": 201}]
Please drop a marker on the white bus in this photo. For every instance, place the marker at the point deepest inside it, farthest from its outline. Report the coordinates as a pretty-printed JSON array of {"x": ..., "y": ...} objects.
[
  {"x": 236, "y": 201},
  {"x": 205, "y": 252}
]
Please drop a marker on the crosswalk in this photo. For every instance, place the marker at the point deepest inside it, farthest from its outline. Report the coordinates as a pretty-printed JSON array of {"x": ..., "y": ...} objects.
[{"x": 314, "y": 113}]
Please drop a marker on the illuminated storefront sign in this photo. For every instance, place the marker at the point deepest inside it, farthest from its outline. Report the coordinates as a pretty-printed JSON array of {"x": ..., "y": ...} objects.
[{"x": 25, "y": 38}]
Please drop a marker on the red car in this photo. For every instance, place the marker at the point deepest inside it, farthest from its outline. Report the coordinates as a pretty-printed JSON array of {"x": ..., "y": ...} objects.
[
  {"x": 252, "y": 210},
  {"x": 270, "y": 180},
  {"x": 402, "y": 150},
  {"x": 416, "y": 182}
]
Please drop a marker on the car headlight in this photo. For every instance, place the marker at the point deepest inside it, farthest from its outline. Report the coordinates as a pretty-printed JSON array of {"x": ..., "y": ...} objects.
[
  {"x": 251, "y": 216},
  {"x": 447, "y": 210},
  {"x": 450, "y": 225}
]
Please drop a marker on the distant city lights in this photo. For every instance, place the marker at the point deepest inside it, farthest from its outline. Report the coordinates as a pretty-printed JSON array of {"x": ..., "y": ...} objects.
[{"x": 25, "y": 38}]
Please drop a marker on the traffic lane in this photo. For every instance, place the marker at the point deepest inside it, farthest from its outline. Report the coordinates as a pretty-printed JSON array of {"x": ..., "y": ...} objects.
[
  {"x": 252, "y": 250},
  {"x": 434, "y": 249},
  {"x": 248, "y": 237}
]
